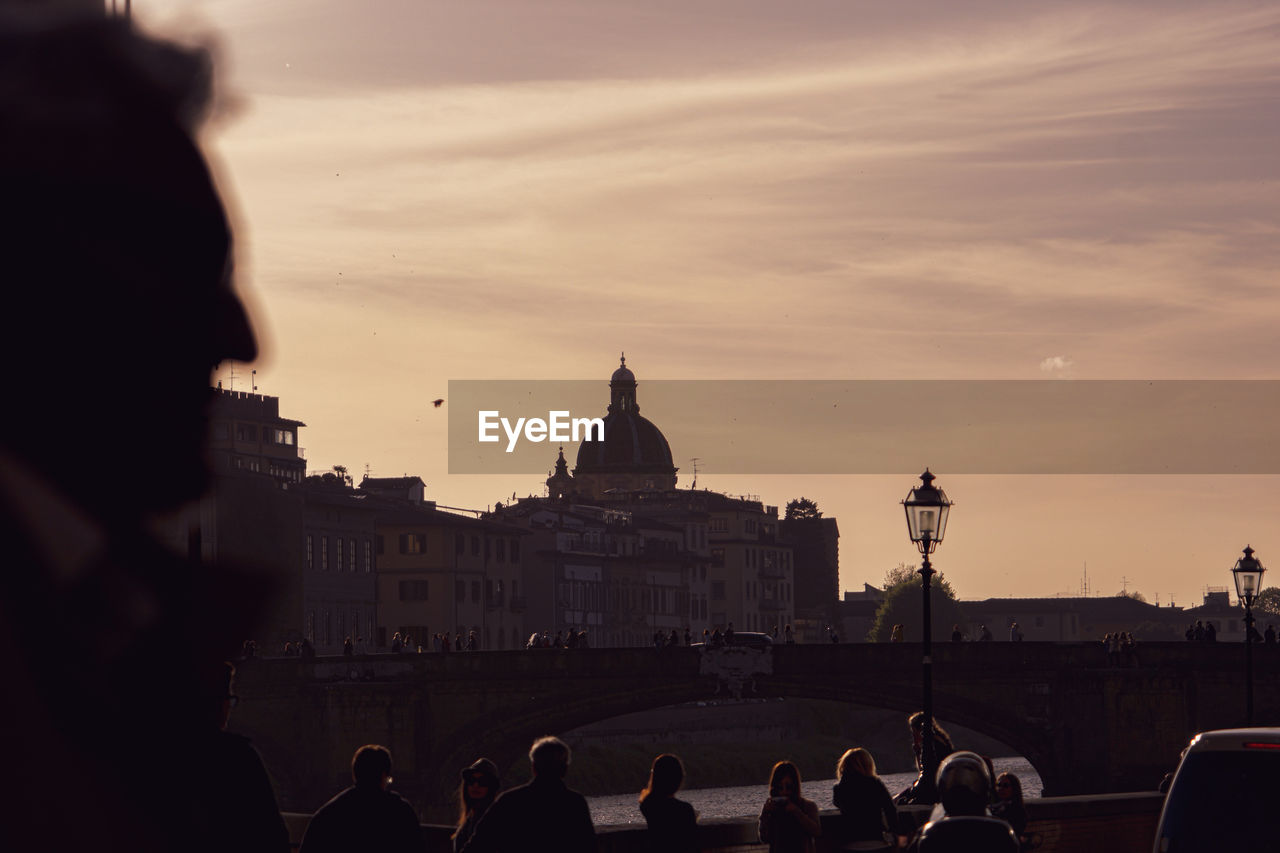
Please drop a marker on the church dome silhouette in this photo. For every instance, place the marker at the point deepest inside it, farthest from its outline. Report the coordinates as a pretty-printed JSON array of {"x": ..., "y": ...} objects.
[{"x": 632, "y": 444}]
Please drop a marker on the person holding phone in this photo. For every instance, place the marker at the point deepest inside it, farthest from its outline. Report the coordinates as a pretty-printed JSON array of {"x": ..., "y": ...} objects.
[{"x": 788, "y": 822}]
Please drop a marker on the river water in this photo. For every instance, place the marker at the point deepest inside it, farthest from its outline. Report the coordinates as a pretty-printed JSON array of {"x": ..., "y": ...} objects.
[{"x": 747, "y": 800}]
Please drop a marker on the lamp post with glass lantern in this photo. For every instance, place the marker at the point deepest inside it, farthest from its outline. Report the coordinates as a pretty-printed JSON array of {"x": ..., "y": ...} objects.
[
  {"x": 927, "y": 508},
  {"x": 1248, "y": 576}
]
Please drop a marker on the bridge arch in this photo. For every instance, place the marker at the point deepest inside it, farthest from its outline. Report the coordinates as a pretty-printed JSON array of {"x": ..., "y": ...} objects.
[{"x": 1086, "y": 727}]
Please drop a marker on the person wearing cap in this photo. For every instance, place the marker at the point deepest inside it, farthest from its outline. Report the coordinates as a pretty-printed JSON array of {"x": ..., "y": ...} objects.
[
  {"x": 477, "y": 792},
  {"x": 961, "y": 822}
]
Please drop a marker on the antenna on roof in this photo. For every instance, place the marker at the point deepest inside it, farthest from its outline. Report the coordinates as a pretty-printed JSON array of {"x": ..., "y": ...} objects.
[{"x": 695, "y": 460}]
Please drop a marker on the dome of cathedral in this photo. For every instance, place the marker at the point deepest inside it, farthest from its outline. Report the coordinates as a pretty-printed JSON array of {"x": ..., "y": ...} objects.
[{"x": 632, "y": 444}]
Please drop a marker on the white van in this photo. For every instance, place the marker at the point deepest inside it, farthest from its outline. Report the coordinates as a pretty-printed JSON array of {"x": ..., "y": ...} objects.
[{"x": 1225, "y": 794}]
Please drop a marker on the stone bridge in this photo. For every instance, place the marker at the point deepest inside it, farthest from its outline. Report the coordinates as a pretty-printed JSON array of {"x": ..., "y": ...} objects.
[{"x": 1086, "y": 727}]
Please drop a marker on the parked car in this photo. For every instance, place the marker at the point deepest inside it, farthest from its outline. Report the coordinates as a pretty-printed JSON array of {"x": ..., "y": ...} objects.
[
  {"x": 1223, "y": 794},
  {"x": 749, "y": 639}
]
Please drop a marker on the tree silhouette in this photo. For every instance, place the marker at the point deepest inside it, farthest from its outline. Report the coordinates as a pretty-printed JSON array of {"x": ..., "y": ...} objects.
[
  {"x": 902, "y": 606},
  {"x": 1268, "y": 601},
  {"x": 802, "y": 509}
]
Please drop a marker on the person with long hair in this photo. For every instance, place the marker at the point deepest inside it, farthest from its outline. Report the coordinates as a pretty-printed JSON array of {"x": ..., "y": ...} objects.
[
  {"x": 477, "y": 792},
  {"x": 924, "y": 791},
  {"x": 673, "y": 824},
  {"x": 1008, "y": 806},
  {"x": 788, "y": 822},
  {"x": 868, "y": 817}
]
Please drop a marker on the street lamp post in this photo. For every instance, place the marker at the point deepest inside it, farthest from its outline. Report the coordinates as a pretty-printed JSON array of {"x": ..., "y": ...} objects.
[
  {"x": 927, "y": 509},
  {"x": 1248, "y": 576}
]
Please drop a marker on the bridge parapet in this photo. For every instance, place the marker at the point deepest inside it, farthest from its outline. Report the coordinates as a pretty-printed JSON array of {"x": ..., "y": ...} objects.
[{"x": 1086, "y": 727}]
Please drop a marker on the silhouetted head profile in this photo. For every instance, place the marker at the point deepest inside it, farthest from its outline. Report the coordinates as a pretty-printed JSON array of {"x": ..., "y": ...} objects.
[
  {"x": 371, "y": 766},
  {"x": 550, "y": 757},
  {"x": 665, "y": 777},
  {"x": 963, "y": 784},
  {"x": 117, "y": 257},
  {"x": 856, "y": 760}
]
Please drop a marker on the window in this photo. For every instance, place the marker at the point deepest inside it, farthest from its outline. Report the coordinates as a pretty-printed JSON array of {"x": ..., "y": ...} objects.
[
  {"x": 717, "y": 590},
  {"x": 460, "y": 590},
  {"x": 311, "y": 557},
  {"x": 475, "y": 546},
  {"x": 368, "y": 557},
  {"x": 324, "y": 553},
  {"x": 246, "y": 432},
  {"x": 515, "y": 550},
  {"x": 500, "y": 545},
  {"x": 749, "y": 526},
  {"x": 413, "y": 543},
  {"x": 475, "y": 592},
  {"x": 351, "y": 555},
  {"x": 459, "y": 544},
  {"x": 284, "y": 436},
  {"x": 379, "y": 543},
  {"x": 413, "y": 591},
  {"x": 311, "y": 626},
  {"x": 342, "y": 632},
  {"x": 339, "y": 561},
  {"x": 717, "y": 556},
  {"x": 719, "y": 525}
]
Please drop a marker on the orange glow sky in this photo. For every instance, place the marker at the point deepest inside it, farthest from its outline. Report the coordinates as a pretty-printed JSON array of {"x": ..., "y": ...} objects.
[{"x": 743, "y": 189}]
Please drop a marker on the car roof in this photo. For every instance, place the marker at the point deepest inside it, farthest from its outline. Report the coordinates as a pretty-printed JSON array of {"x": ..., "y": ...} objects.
[{"x": 1236, "y": 740}]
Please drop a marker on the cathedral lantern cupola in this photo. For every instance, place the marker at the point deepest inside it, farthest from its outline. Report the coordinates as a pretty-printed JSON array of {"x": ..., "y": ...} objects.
[{"x": 622, "y": 390}]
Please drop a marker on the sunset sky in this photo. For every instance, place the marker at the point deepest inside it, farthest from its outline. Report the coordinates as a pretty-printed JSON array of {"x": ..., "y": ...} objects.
[{"x": 741, "y": 189}]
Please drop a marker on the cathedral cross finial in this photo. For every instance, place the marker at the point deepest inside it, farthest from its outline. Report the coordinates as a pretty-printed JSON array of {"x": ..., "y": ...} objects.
[{"x": 624, "y": 359}]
